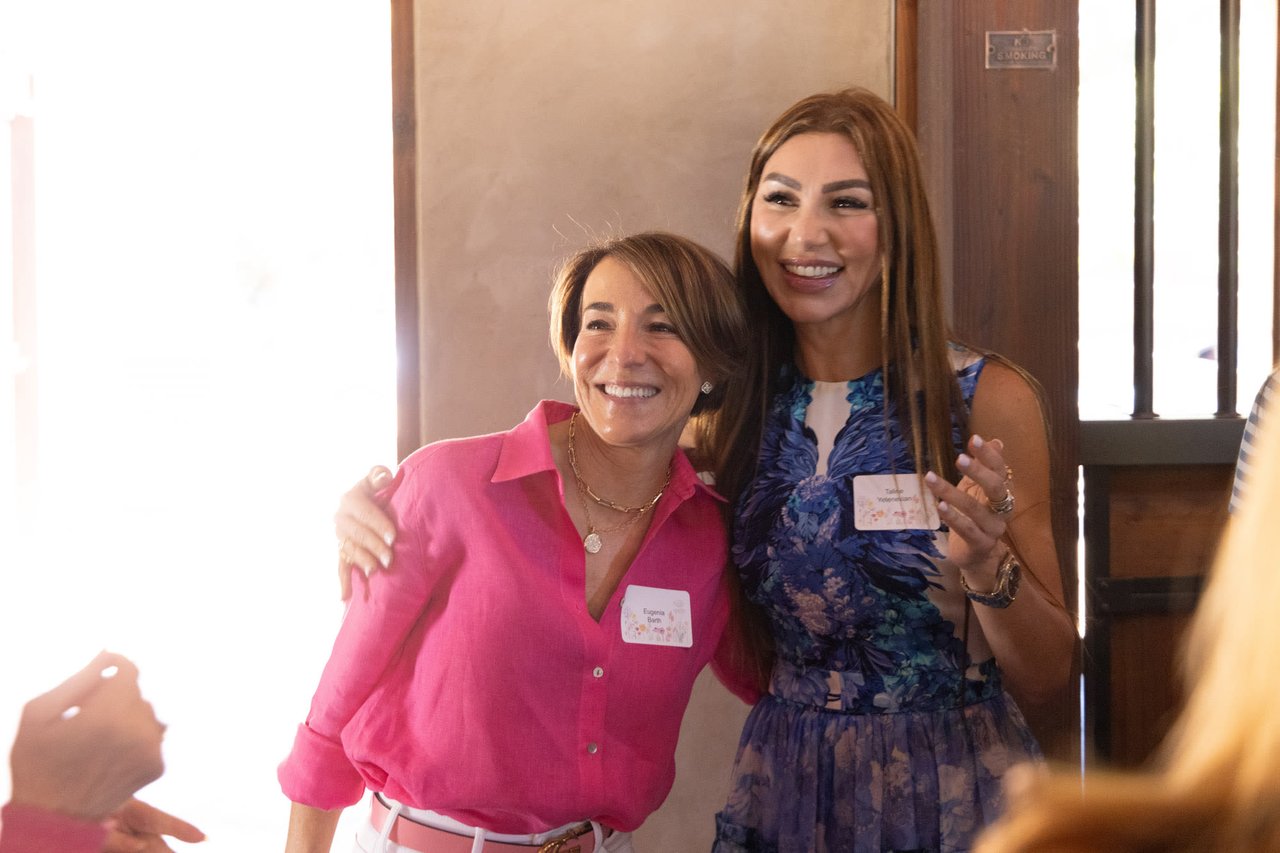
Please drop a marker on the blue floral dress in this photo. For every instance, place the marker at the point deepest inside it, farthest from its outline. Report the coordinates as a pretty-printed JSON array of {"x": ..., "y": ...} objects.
[{"x": 883, "y": 729}]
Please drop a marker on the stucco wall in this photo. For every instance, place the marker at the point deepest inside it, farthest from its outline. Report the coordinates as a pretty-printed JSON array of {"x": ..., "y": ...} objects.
[{"x": 542, "y": 124}]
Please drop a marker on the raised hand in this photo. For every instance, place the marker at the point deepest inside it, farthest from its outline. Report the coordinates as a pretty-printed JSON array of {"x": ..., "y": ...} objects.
[
  {"x": 83, "y": 748},
  {"x": 976, "y": 509}
]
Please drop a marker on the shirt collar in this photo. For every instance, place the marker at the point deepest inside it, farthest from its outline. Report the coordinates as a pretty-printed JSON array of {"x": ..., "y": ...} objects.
[{"x": 526, "y": 450}]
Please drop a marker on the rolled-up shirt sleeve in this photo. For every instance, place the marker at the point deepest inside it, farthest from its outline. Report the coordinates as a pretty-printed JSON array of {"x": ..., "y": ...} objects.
[{"x": 383, "y": 610}]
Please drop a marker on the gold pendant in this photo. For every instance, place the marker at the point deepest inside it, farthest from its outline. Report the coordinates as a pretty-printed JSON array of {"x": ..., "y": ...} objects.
[{"x": 592, "y": 543}]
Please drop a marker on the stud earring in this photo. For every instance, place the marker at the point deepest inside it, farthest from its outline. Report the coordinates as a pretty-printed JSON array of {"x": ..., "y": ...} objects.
[{"x": 706, "y": 387}]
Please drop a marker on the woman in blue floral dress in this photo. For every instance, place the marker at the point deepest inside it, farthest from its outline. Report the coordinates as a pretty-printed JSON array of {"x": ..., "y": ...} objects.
[{"x": 905, "y": 577}]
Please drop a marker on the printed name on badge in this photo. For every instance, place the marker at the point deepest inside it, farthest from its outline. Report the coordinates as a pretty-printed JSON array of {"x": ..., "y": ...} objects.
[
  {"x": 656, "y": 617},
  {"x": 893, "y": 502}
]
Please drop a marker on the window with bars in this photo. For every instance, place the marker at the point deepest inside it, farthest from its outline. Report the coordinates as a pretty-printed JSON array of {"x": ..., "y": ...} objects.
[
  {"x": 1177, "y": 150},
  {"x": 1177, "y": 207}
]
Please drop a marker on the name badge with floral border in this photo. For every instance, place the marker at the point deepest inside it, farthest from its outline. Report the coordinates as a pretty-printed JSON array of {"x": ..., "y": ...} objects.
[
  {"x": 893, "y": 502},
  {"x": 656, "y": 617}
]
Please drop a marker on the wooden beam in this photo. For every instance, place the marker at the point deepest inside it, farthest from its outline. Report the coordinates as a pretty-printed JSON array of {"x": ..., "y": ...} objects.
[
  {"x": 906, "y": 57},
  {"x": 405, "y": 178}
]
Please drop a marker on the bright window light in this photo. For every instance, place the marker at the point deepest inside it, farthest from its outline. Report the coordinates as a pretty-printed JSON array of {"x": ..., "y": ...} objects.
[
  {"x": 1186, "y": 206},
  {"x": 214, "y": 357}
]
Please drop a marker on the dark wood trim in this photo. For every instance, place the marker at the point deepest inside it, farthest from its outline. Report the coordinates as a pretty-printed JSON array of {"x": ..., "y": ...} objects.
[
  {"x": 906, "y": 57},
  {"x": 1097, "y": 637},
  {"x": 1228, "y": 205},
  {"x": 934, "y": 128},
  {"x": 404, "y": 123},
  {"x": 1207, "y": 441},
  {"x": 1144, "y": 239}
]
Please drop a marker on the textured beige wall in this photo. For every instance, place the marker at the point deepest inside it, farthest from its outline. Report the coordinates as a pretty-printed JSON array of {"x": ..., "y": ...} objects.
[{"x": 544, "y": 123}]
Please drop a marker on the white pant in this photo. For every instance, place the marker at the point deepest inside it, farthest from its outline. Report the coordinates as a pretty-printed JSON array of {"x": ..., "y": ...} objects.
[{"x": 367, "y": 841}]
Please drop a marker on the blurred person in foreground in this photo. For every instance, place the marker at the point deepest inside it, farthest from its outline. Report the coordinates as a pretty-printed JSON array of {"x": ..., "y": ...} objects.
[{"x": 1214, "y": 784}]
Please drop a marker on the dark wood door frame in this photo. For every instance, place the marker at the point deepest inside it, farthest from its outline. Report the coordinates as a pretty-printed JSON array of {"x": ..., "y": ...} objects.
[
  {"x": 999, "y": 148},
  {"x": 404, "y": 125}
]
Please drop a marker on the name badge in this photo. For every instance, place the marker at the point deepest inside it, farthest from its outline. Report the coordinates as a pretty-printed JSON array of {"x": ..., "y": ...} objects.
[
  {"x": 893, "y": 502},
  {"x": 656, "y": 617}
]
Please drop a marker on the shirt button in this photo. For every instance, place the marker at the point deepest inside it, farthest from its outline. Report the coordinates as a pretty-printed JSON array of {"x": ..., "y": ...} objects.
[
  {"x": 593, "y": 748},
  {"x": 598, "y": 671}
]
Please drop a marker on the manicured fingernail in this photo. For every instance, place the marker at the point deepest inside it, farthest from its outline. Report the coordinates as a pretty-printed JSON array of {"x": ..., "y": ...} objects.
[
  {"x": 963, "y": 460},
  {"x": 385, "y": 559},
  {"x": 977, "y": 440},
  {"x": 943, "y": 506},
  {"x": 390, "y": 539},
  {"x": 931, "y": 477}
]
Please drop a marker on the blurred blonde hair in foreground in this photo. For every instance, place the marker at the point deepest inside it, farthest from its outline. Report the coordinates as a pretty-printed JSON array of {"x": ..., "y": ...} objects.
[{"x": 1215, "y": 782}]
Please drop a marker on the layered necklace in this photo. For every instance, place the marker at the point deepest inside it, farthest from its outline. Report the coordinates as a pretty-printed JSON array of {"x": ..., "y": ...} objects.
[{"x": 592, "y": 542}]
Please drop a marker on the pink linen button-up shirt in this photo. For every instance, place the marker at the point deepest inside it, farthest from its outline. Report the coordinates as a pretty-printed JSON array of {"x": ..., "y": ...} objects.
[{"x": 470, "y": 678}]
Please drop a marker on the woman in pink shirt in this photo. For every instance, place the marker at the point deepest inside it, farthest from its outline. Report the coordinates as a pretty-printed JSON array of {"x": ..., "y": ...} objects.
[{"x": 519, "y": 679}]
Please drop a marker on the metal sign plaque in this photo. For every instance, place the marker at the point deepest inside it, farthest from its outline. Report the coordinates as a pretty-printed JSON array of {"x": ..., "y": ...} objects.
[{"x": 1025, "y": 49}]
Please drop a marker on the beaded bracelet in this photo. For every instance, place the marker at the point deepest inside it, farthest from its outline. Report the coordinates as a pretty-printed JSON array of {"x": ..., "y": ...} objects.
[{"x": 1008, "y": 578}]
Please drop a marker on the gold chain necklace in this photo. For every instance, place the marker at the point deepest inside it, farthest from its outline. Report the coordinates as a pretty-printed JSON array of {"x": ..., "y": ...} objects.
[{"x": 592, "y": 542}]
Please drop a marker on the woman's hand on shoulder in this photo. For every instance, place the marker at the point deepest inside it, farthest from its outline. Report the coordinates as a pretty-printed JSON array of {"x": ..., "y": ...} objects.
[{"x": 365, "y": 531}]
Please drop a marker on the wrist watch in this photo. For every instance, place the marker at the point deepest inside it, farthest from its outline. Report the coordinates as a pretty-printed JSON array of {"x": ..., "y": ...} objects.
[{"x": 1008, "y": 579}]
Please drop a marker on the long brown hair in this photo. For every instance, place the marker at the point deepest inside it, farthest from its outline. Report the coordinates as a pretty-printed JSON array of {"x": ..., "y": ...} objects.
[
  {"x": 913, "y": 329},
  {"x": 914, "y": 333}
]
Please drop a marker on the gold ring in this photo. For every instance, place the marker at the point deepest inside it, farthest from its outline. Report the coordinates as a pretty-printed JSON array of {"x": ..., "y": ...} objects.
[{"x": 1004, "y": 506}]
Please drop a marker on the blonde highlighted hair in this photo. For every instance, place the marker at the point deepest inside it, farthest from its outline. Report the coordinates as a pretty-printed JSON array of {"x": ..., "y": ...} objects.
[{"x": 1215, "y": 782}]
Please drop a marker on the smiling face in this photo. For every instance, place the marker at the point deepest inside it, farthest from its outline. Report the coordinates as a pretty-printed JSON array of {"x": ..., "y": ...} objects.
[
  {"x": 633, "y": 377},
  {"x": 814, "y": 235}
]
